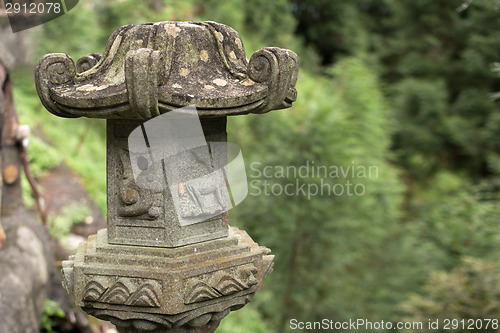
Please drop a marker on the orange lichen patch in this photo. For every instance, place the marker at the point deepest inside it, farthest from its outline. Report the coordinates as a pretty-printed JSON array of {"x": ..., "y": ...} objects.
[
  {"x": 2, "y": 237},
  {"x": 10, "y": 174}
]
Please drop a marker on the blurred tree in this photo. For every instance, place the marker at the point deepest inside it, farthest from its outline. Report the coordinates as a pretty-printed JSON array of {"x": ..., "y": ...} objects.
[
  {"x": 76, "y": 33},
  {"x": 460, "y": 219},
  {"x": 455, "y": 225},
  {"x": 267, "y": 21},
  {"x": 341, "y": 256},
  {"x": 334, "y": 252},
  {"x": 468, "y": 294},
  {"x": 438, "y": 57},
  {"x": 336, "y": 28},
  {"x": 435, "y": 59}
]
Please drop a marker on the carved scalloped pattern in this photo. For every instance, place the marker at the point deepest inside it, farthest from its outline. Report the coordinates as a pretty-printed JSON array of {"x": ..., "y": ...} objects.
[
  {"x": 204, "y": 316},
  {"x": 218, "y": 284},
  {"x": 126, "y": 291}
]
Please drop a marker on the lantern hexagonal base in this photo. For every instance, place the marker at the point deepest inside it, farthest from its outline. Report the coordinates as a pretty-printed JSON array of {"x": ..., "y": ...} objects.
[{"x": 166, "y": 289}]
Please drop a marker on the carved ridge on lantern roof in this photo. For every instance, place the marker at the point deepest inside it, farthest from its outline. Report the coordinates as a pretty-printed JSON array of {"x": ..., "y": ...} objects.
[{"x": 152, "y": 68}]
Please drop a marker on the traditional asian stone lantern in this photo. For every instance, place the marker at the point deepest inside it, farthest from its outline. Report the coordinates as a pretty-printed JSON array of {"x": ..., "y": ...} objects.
[{"x": 147, "y": 271}]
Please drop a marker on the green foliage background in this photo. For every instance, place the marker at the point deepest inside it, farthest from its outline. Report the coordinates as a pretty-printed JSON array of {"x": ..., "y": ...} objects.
[{"x": 404, "y": 86}]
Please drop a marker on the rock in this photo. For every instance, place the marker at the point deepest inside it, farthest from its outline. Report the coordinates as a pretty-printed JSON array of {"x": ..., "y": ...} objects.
[{"x": 26, "y": 263}]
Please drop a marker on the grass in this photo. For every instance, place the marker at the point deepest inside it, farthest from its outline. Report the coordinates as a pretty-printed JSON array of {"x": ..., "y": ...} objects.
[
  {"x": 81, "y": 142},
  {"x": 60, "y": 225}
]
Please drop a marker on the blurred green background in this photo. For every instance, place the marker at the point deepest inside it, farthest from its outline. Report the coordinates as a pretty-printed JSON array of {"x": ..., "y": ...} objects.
[{"x": 407, "y": 87}]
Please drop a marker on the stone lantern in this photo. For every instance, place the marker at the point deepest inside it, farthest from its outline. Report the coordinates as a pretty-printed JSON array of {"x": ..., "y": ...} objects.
[{"x": 149, "y": 271}]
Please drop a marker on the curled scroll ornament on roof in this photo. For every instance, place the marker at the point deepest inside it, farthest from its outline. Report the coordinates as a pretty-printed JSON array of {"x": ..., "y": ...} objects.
[{"x": 150, "y": 69}]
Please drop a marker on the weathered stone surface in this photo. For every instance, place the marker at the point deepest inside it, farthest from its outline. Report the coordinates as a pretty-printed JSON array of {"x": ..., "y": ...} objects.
[
  {"x": 27, "y": 269},
  {"x": 149, "y": 272},
  {"x": 179, "y": 288},
  {"x": 26, "y": 266},
  {"x": 138, "y": 216},
  {"x": 26, "y": 262},
  {"x": 150, "y": 69}
]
